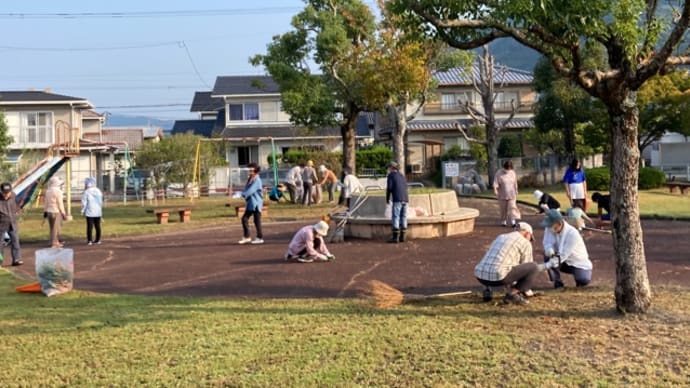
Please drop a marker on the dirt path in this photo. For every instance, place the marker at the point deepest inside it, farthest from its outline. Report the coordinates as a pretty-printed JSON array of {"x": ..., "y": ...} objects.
[{"x": 208, "y": 262}]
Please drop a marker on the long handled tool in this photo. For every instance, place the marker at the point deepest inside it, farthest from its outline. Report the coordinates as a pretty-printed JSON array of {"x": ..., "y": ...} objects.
[
  {"x": 606, "y": 231},
  {"x": 339, "y": 232},
  {"x": 384, "y": 296}
]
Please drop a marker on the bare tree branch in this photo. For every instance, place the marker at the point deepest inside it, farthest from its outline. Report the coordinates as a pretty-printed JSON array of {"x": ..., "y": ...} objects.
[
  {"x": 469, "y": 139},
  {"x": 662, "y": 56}
]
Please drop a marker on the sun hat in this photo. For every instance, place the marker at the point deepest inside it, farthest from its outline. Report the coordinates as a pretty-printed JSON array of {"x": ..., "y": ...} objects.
[
  {"x": 321, "y": 228},
  {"x": 310, "y": 163},
  {"x": 538, "y": 194},
  {"x": 393, "y": 165},
  {"x": 89, "y": 182},
  {"x": 322, "y": 168},
  {"x": 552, "y": 216},
  {"x": 523, "y": 226}
]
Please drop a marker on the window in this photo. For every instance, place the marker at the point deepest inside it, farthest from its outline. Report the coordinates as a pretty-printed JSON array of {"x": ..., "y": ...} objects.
[
  {"x": 504, "y": 99},
  {"x": 450, "y": 101},
  {"x": 36, "y": 128},
  {"x": 246, "y": 111}
]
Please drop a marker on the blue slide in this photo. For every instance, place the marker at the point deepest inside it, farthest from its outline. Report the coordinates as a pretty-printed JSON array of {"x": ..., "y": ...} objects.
[{"x": 26, "y": 185}]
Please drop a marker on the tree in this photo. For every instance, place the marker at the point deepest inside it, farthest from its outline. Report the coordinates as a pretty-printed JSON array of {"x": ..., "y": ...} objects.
[
  {"x": 337, "y": 36},
  {"x": 5, "y": 141},
  {"x": 638, "y": 43},
  {"x": 173, "y": 159},
  {"x": 486, "y": 117}
]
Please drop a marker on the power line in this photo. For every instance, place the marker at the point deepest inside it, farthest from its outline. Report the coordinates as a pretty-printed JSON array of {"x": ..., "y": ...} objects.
[
  {"x": 142, "y": 46},
  {"x": 147, "y": 14},
  {"x": 186, "y": 49},
  {"x": 143, "y": 106}
]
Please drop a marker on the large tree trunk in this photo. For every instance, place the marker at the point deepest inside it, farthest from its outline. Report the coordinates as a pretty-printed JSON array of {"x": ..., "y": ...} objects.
[
  {"x": 633, "y": 294},
  {"x": 399, "y": 138},
  {"x": 348, "y": 133},
  {"x": 492, "y": 150}
]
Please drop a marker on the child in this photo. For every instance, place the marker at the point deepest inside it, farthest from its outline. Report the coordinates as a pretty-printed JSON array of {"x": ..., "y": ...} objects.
[{"x": 578, "y": 217}]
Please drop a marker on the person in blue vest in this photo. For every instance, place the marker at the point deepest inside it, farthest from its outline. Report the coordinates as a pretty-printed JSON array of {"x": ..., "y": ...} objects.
[
  {"x": 575, "y": 182},
  {"x": 253, "y": 195},
  {"x": 396, "y": 188}
]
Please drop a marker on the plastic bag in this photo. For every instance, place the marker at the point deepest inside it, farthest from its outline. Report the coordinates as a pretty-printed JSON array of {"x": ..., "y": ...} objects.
[{"x": 55, "y": 270}]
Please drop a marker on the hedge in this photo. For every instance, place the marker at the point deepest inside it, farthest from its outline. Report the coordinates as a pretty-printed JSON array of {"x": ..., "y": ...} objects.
[{"x": 600, "y": 178}]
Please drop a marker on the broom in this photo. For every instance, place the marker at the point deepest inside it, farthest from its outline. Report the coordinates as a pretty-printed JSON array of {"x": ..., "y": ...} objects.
[{"x": 384, "y": 296}]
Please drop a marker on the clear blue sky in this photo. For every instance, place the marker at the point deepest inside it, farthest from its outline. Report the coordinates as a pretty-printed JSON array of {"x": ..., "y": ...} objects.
[{"x": 156, "y": 54}]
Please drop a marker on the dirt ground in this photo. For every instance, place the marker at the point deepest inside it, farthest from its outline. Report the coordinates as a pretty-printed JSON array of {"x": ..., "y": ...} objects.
[{"x": 209, "y": 262}]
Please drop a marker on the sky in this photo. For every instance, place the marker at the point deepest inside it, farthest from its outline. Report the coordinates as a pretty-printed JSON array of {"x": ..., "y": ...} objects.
[{"x": 139, "y": 58}]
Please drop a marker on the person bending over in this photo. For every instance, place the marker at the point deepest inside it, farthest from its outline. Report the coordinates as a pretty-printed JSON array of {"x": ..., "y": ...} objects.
[
  {"x": 564, "y": 245},
  {"x": 308, "y": 245}
]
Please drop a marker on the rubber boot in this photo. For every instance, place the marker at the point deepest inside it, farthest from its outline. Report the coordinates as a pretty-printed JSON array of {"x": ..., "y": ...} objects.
[
  {"x": 402, "y": 235},
  {"x": 395, "y": 236}
]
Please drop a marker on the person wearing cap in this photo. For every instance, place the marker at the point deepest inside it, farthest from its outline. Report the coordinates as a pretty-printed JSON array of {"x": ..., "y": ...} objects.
[
  {"x": 308, "y": 179},
  {"x": 506, "y": 190},
  {"x": 396, "y": 189},
  {"x": 509, "y": 263},
  {"x": 546, "y": 201},
  {"x": 307, "y": 245},
  {"x": 8, "y": 222},
  {"x": 92, "y": 209},
  {"x": 564, "y": 246},
  {"x": 54, "y": 208},
  {"x": 329, "y": 180}
]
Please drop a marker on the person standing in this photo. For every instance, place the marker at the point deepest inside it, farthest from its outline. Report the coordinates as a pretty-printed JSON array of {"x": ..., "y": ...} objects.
[
  {"x": 307, "y": 245},
  {"x": 575, "y": 182},
  {"x": 396, "y": 188},
  {"x": 308, "y": 179},
  {"x": 54, "y": 208},
  {"x": 8, "y": 222},
  {"x": 564, "y": 245},
  {"x": 253, "y": 195},
  {"x": 329, "y": 180},
  {"x": 509, "y": 263},
  {"x": 294, "y": 183},
  {"x": 506, "y": 190},
  {"x": 92, "y": 209},
  {"x": 350, "y": 185}
]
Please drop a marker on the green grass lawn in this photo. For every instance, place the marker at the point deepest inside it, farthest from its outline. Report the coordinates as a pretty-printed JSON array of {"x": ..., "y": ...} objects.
[{"x": 571, "y": 338}]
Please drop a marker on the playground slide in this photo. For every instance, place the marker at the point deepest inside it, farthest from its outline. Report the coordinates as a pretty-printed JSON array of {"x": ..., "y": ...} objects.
[{"x": 25, "y": 186}]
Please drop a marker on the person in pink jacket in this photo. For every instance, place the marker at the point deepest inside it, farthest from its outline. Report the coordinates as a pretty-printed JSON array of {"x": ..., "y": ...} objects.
[
  {"x": 506, "y": 190},
  {"x": 54, "y": 209},
  {"x": 308, "y": 245}
]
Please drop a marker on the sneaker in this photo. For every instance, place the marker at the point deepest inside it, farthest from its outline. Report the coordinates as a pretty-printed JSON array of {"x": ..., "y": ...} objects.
[
  {"x": 245, "y": 240},
  {"x": 89, "y": 243},
  {"x": 528, "y": 293},
  {"x": 98, "y": 242},
  {"x": 17, "y": 263},
  {"x": 487, "y": 295},
  {"x": 504, "y": 223},
  {"x": 303, "y": 259},
  {"x": 287, "y": 257},
  {"x": 257, "y": 241},
  {"x": 514, "y": 299}
]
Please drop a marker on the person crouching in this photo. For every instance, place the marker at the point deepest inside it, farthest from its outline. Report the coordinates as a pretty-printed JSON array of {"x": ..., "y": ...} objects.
[{"x": 308, "y": 245}]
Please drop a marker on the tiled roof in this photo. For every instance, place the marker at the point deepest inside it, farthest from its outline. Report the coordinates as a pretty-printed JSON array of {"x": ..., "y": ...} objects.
[
  {"x": 35, "y": 97},
  {"x": 245, "y": 85},
  {"x": 451, "y": 125},
  {"x": 134, "y": 137},
  {"x": 197, "y": 127},
  {"x": 90, "y": 114},
  {"x": 507, "y": 75},
  {"x": 203, "y": 102}
]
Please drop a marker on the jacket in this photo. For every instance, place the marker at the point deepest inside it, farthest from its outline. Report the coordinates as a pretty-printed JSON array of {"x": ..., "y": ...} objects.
[
  {"x": 396, "y": 187},
  {"x": 92, "y": 202},
  {"x": 253, "y": 194}
]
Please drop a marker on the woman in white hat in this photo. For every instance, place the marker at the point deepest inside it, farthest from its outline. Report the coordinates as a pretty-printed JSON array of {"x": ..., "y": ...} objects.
[
  {"x": 546, "y": 201},
  {"x": 308, "y": 245}
]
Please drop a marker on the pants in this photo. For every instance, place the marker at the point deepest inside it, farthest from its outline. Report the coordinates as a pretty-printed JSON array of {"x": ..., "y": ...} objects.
[
  {"x": 293, "y": 191},
  {"x": 509, "y": 210},
  {"x": 257, "y": 223},
  {"x": 399, "y": 215},
  {"x": 93, "y": 223},
  {"x": 522, "y": 275},
  {"x": 14, "y": 244},
  {"x": 330, "y": 187},
  {"x": 582, "y": 276},
  {"x": 55, "y": 222},
  {"x": 306, "y": 194}
]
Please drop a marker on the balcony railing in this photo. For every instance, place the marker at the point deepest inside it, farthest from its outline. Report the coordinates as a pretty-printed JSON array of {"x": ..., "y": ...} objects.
[{"x": 438, "y": 108}]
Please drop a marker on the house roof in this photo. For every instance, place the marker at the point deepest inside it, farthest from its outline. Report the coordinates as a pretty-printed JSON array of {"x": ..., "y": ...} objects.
[
  {"x": 451, "y": 125},
  {"x": 505, "y": 74},
  {"x": 90, "y": 114},
  {"x": 133, "y": 137},
  {"x": 36, "y": 97},
  {"x": 279, "y": 132},
  {"x": 203, "y": 102},
  {"x": 197, "y": 127},
  {"x": 244, "y": 85}
]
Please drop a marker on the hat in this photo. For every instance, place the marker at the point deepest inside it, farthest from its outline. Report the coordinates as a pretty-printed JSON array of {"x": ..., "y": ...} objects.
[
  {"x": 538, "y": 194},
  {"x": 552, "y": 216},
  {"x": 310, "y": 163},
  {"x": 6, "y": 187},
  {"x": 393, "y": 165},
  {"x": 526, "y": 227},
  {"x": 321, "y": 228},
  {"x": 322, "y": 168},
  {"x": 89, "y": 182}
]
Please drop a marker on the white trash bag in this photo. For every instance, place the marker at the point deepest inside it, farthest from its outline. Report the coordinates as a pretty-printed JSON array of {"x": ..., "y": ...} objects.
[{"x": 55, "y": 270}]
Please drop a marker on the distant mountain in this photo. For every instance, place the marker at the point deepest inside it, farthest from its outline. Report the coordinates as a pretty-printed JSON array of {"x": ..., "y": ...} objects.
[
  {"x": 512, "y": 54},
  {"x": 115, "y": 120}
]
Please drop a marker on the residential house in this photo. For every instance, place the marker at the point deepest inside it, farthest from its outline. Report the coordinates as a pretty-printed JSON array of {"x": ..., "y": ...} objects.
[{"x": 435, "y": 129}]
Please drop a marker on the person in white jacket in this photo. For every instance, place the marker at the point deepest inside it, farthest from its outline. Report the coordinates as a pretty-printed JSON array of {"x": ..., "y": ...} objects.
[
  {"x": 92, "y": 209},
  {"x": 564, "y": 243}
]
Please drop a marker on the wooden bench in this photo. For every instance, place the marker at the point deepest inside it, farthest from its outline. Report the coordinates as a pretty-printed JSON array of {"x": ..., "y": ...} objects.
[
  {"x": 677, "y": 186},
  {"x": 162, "y": 215},
  {"x": 239, "y": 211}
]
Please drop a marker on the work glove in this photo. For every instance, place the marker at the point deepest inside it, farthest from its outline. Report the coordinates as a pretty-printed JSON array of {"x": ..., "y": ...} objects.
[
  {"x": 554, "y": 263},
  {"x": 330, "y": 257},
  {"x": 322, "y": 257},
  {"x": 549, "y": 252}
]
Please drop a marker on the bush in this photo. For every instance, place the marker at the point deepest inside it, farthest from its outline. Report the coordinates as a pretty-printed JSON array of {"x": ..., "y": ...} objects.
[
  {"x": 650, "y": 178},
  {"x": 376, "y": 157},
  {"x": 598, "y": 179},
  {"x": 509, "y": 146},
  {"x": 529, "y": 181}
]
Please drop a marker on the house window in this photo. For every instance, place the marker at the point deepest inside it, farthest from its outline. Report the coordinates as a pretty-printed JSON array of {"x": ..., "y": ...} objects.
[
  {"x": 36, "y": 128},
  {"x": 450, "y": 101},
  {"x": 246, "y": 111},
  {"x": 504, "y": 100}
]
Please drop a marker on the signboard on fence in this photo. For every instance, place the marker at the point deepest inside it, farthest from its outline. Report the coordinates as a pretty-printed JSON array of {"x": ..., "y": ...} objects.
[{"x": 451, "y": 169}]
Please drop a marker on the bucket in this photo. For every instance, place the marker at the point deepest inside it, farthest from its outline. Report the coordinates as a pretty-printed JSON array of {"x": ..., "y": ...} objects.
[{"x": 55, "y": 270}]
